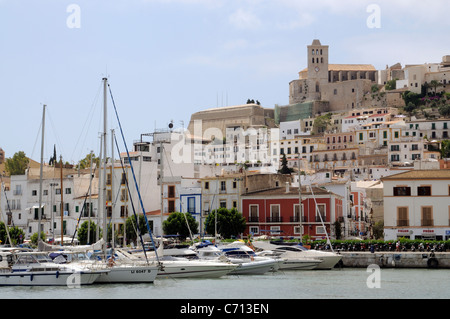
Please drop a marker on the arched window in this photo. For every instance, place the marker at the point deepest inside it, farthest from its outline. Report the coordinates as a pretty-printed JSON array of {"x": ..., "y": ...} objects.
[
  {"x": 317, "y": 87},
  {"x": 321, "y": 60},
  {"x": 313, "y": 52}
]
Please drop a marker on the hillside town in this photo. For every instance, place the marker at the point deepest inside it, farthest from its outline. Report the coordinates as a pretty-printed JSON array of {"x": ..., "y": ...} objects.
[{"x": 355, "y": 147}]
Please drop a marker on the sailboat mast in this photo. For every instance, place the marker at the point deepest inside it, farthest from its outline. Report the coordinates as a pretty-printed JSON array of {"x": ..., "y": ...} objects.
[
  {"x": 62, "y": 203},
  {"x": 41, "y": 175},
  {"x": 90, "y": 202},
  {"x": 300, "y": 200},
  {"x": 103, "y": 203}
]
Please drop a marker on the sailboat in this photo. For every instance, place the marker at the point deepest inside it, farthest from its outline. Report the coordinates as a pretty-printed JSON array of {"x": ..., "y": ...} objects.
[{"x": 120, "y": 269}]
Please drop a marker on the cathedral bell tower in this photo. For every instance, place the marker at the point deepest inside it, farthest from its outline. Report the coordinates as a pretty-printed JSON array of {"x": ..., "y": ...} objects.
[{"x": 317, "y": 66}]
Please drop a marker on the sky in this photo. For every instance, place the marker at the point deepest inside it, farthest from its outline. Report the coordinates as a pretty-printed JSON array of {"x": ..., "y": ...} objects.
[{"x": 167, "y": 59}]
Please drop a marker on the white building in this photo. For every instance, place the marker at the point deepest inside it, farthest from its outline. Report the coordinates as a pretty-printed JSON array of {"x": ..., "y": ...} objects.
[{"x": 417, "y": 205}]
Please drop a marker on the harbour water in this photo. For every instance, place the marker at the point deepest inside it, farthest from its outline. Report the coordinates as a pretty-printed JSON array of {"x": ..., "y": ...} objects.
[{"x": 345, "y": 283}]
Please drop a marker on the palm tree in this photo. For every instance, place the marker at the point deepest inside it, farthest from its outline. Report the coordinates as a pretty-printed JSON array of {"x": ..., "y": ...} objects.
[{"x": 434, "y": 84}]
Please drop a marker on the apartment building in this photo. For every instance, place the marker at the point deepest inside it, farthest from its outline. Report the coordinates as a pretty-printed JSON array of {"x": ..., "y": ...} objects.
[{"x": 417, "y": 205}]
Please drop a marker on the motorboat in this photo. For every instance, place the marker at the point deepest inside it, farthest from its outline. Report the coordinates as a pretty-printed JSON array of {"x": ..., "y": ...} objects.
[
  {"x": 180, "y": 267},
  {"x": 37, "y": 269},
  {"x": 248, "y": 262},
  {"x": 327, "y": 260}
]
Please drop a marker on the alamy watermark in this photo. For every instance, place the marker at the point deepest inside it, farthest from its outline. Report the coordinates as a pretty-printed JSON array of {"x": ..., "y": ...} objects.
[
  {"x": 73, "y": 21},
  {"x": 374, "y": 279},
  {"x": 374, "y": 19},
  {"x": 212, "y": 146}
]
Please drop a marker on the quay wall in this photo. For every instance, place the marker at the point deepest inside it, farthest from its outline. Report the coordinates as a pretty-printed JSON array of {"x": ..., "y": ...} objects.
[{"x": 439, "y": 260}]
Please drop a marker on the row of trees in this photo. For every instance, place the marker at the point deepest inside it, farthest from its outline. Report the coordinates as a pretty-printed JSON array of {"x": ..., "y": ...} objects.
[
  {"x": 17, "y": 164},
  {"x": 230, "y": 223}
]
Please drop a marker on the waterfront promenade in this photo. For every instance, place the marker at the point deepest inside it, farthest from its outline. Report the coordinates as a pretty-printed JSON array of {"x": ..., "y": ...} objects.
[{"x": 396, "y": 259}]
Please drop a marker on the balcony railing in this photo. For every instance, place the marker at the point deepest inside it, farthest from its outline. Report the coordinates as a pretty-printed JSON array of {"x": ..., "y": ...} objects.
[
  {"x": 296, "y": 219},
  {"x": 275, "y": 219},
  {"x": 402, "y": 222},
  {"x": 427, "y": 222},
  {"x": 253, "y": 219}
]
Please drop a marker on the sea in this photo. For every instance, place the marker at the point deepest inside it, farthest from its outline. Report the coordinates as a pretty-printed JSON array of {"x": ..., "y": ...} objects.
[{"x": 258, "y": 293}]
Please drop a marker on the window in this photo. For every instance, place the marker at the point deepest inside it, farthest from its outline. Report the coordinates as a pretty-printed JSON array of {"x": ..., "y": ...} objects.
[
  {"x": 68, "y": 191},
  {"x": 191, "y": 205},
  {"x": 124, "y": 195},
  {"x": 395, "y": 148},
  {"x": 402, "y": 191},
  {"x": 320, "y": 213},
  {"x": 361, "y": 136},
  {"x": 171, "y": 206},
  {"x": 223, "y": 203},
  {"x": 396, "y": 134},
  {"x": 253, "y": 217},
  {"x": 424, "y": 191},
  {"x": 33, "y": 192},
  {"x": 223, "y": 186},
  {"x": 171, "y": 191},
  {"x": 402, "y": 216},
  {"x": 123, "y": 211},
  {"x": 206, "y": 185},
  {"x": 427, "y": 216},
  {"x": 275, "y": 213}
]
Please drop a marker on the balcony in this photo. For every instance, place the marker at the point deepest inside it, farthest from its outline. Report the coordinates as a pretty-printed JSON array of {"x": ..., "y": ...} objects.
[
  {"x": 296, "y": 219},
  {"x": 253, "y": 219},
  {"x": 324, "y": 218},
  {"x": 402, "y": 222},
  {"x": 427, "y": 222},
  {"x": 274, "y": 219}
]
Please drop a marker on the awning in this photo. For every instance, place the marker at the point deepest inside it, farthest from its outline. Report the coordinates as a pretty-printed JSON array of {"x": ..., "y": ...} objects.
[{"x": 34, "y": 207}]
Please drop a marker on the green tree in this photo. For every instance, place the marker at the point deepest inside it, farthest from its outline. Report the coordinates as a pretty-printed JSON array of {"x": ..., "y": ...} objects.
[
  {"x": 82, "y": 234},
  {"x": 444, "y": 110},
  {"x": 378, "y": 230},
  {"x": 435, "y": 84},
  {"x": 284, "y": 168},
  {"x": 230, "y": 223},
  {"x": 322, "y": 122},
  {"x": 86, "y": 162},
  {"x": 176, "y": 224},
  {"x": 391, "y": 85},
  {"x": 131, "y": 229},
  {"x": 34, "y": 238},
  {"x": 17, "y": 164},
  {"x": 17, "y": 235},
  {"x": 445, "y": 149}
]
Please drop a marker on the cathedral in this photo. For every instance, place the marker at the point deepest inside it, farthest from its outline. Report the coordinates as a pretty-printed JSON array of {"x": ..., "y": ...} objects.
[{"x": 339, "y": 87}]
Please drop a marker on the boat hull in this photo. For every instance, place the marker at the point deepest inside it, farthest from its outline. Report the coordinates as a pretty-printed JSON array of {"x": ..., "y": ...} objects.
[
  {"x": 295, "y": 264},
  {"x": 129, "y": 274},
  {"x": 192, "y": 269},
  {"x": 48, "y": 278},
  {"x": 256, "y": 267}
]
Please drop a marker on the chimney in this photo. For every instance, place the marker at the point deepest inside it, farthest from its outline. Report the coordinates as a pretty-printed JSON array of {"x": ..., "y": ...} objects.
[{"x": 287, "y": 187}]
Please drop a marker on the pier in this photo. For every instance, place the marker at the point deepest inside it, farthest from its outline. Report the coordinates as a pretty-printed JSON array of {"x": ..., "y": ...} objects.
[{"x": 394, "y": 259}]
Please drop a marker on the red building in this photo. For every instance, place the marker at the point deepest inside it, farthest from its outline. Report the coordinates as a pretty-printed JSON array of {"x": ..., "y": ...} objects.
[{"x": 276, "y": 212}]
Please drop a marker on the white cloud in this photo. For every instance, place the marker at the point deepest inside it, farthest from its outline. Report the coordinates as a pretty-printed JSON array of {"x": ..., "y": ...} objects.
[{"x": 243, "y": 19}]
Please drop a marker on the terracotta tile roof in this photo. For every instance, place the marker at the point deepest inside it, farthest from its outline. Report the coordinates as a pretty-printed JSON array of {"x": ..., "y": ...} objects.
[
  {"x": 293, "y": 191},
  {"x": 419, "y": 174}
]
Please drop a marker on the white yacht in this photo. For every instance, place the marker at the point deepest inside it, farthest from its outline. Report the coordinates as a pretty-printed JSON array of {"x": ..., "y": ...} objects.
[
  {"x": 293, "y": 253},
  {"x": 37, "y": 269},
  {"x": 248, "y": 262},
  {"x": 180, "y": 267}
]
